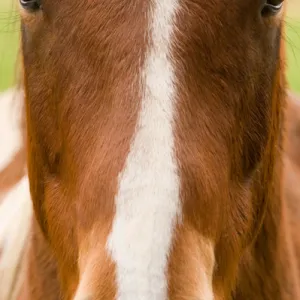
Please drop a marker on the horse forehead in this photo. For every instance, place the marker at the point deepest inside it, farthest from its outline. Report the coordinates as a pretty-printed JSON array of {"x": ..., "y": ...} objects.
[{"x": 147, "y": 202}]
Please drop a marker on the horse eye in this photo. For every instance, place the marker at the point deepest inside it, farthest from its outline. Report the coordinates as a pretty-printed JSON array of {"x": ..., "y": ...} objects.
[
  {"x": 271, "y": 7},
  {"x": 31, "y": 5}
]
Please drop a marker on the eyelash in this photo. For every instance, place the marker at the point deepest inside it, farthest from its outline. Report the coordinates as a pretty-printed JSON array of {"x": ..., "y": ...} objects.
[
  {"x": 271, "y": 7},
  {"x": 31, "y": 5}
]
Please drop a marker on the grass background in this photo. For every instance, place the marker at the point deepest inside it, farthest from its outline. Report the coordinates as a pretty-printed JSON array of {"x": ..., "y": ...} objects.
[{"x": 9, "y": 40}]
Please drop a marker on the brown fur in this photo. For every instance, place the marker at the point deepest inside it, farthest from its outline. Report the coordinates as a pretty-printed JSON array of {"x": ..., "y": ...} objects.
[
  {"x": 82, "y": 101},
  {"x": 12, "y": 173},
  {"x": 292, "y": 170},
  {"x": 16, "y": 169}
]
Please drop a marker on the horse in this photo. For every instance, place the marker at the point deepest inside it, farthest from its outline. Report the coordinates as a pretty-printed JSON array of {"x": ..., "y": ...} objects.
[
  {"x": 154, "y": 140},
  {"x": 291, "y": 162},
  {"x": 15, "y": 202}
]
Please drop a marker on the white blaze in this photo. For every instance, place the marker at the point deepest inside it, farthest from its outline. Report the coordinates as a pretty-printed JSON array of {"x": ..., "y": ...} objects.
[{"x": 147, "y": 202}]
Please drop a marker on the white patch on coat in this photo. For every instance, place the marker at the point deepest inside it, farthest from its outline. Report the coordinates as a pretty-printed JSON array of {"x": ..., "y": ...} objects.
[
  {"x": 10, "y": 132},
  {"x": 15, "y": 217}
]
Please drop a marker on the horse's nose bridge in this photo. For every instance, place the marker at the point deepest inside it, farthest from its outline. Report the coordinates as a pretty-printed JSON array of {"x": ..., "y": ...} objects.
[
  {"x": 191, "y": 265},
  {"x": 189, "y": 270}
]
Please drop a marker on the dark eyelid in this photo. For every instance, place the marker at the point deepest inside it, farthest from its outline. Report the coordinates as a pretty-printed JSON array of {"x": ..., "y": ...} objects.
[
  {"x": 271, "y": 7},
  {"x": 31, "y": 5}
]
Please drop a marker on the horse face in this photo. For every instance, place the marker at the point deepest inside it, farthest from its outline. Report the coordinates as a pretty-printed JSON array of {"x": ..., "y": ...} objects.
[{"x": 150, "y": 125}]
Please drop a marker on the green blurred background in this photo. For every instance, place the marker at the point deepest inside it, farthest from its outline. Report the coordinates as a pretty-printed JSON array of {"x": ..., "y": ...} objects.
[{"x": 9, "y": 40}]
